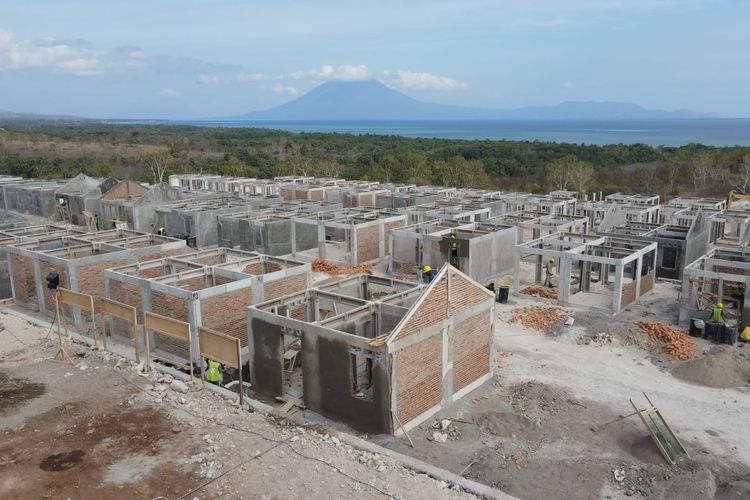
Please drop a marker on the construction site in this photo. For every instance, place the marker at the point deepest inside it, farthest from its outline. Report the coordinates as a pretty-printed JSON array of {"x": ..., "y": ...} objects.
[{"x": 235, "y": 337}]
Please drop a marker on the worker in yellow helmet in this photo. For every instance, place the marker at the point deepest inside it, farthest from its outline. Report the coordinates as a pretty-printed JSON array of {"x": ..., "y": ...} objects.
[
  {"x": 428, "y": 274},
  {"x": 717, "y": 316}
]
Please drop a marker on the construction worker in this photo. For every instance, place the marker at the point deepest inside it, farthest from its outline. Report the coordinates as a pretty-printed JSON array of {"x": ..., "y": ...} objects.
[
  {"x": 97, "y": 222},
  {"x": 213, "y": 374},
  {"x": 428, "y": 274},
  {"x": 717, "y": 315},
  {"x": 548, "y": 273}
]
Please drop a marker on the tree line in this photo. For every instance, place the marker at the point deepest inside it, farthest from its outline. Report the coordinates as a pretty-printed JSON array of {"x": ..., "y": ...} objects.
[{"x": 148, "y": 152}]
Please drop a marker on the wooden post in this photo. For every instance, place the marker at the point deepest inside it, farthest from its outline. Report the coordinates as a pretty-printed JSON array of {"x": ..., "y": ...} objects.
[{"x": 239, "y": 373}]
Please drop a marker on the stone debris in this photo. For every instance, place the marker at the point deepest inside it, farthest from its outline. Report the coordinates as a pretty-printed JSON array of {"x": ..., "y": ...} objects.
[
  {"x": 439, "y": 437},
  {"x": 539, "y": 318},
  {"x": 179, "y": 386},
  {"x": 597, "y": 340}
]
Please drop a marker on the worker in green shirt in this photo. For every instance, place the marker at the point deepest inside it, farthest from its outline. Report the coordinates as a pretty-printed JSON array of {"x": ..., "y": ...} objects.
[
  {"x": 717, "y": 316},
  {"x": 213, "y": 374}
]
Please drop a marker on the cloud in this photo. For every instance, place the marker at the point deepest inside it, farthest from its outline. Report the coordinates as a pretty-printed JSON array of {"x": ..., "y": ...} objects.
[
  {"x": 327, "y": 72},
  {"x": 171, "y": 93},
  {"x": 252, "y": 77},
  {"x": 62, "y": 56},
  {"x": 285, "y": 89},
  {"x": 79, "y": 57},
  {"x": 420, "y": 81},
  {"x": 206, "y": 79}
]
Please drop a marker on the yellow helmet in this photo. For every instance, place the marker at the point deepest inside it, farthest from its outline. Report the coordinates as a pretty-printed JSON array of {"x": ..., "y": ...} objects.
[
  {"x": 426, "y": 269},
  {"x": 720, "y": 305}
]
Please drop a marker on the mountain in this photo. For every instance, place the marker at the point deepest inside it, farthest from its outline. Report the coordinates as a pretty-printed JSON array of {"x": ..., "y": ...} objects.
[
  {"x": 12, "y": 115},
  {"x": 367, "y": 100},
  {"x": 371, "y": 100}
]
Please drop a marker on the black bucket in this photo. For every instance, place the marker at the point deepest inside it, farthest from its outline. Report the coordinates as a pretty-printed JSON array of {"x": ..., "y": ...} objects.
[
  {"x": 502, "y": 294},
  {"x": 730, "y": 335},
  {"x": 712, "y": 331},
  {"x": 696, "y": 327}
]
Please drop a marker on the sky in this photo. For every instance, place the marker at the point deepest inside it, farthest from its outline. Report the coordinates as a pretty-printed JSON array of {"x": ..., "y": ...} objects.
[{"x": 187, "y": 59}]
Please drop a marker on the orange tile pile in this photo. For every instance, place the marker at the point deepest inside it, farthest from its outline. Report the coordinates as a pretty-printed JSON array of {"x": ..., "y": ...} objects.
[
  {"x": 323, "y": 266},
  {"x": 677, "y": 343},
  {"x": 539, "y": 291},
  {"x": 538, "y": 317}
]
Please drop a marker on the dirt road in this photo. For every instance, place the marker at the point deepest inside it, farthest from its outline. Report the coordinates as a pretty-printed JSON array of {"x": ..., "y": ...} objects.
[{"x": 103, "y": 430}]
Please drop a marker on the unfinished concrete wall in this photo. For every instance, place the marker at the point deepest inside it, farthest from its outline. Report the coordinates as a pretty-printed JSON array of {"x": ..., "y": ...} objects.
[{"x": 698, "y": 238}]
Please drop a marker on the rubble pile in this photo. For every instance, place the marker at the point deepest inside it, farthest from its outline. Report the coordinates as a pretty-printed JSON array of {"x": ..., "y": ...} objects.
[
  {"x": 677, "y": 343},
  {"x": 538, "y": 317},
  {"x": 323, "y": 266},
  {"x": 539, "y": 291}
]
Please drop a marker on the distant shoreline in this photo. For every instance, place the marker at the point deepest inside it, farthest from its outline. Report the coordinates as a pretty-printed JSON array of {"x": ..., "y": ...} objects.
[
  {"x": 716, "y": 132},
  {"x": 719, "y": 132}
]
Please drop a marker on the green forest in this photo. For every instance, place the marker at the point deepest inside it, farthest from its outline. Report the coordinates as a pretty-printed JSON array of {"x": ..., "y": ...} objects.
[{"x": 147, "y": 152}]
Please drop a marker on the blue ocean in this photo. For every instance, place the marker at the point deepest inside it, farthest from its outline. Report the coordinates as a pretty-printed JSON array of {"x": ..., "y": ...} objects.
[{"x": 715, "y": 132}]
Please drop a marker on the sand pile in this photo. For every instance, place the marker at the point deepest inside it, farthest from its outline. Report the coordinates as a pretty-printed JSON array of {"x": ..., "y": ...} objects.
[{"x": 722, "y": 367}]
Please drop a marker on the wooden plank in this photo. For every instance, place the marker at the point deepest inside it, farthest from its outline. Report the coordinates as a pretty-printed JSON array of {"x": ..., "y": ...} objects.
[
  {"x": 219, "y": 347},
  {"x": 167, "y": 326},
  {"x": 76, "y": 299},
  {"x": 666, "y": 441},
  {"x": 118, "y": 310}
]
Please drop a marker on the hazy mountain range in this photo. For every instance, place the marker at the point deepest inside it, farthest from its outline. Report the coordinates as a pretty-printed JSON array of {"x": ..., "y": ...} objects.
[{"x": 372, "y": 100}]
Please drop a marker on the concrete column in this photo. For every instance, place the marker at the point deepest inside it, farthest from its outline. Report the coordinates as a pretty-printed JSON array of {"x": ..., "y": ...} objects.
[
  {"x": 381, "y": 239},
  {"x": 321, "y": 239},
  {"x": 294, "y": 237},
  {"x": 39, "y": 284},
  {"x": 194, "y": 318},
  {"x": 564, "y": 268},
  {"x": 353, "y": 244},
  {"x": 617, "y": 295},
  {"x": 517, "y": 272},
  {"x": 638, "y": 270}
]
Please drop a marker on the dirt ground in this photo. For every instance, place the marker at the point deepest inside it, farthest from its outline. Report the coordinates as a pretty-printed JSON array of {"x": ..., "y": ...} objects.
[
  {"x": 102, "y": 429},
  {"x": 528, "y": 432}
]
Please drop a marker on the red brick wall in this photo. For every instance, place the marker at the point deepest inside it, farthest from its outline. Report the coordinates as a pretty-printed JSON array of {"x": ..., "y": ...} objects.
[
  {"x": 647, "y": 282},
  {"x": 226, "y": 313},
  {"x": 431, "y": 311},
  {"x": 419, "y": 375},
  {"x": 348, "y": 200},
  {"x": 287, "y": 193},
  {"x": 317, "y": 194},
  {"x": 91, "y": 280},
  {"x": 471, "y": 351},
  {"x": 465, "y": 294},
  {"x": 367, "y": 200},
  {"x": 301, "y": 194},
  {"x": 192, "y": 284},
  {"x": 628, "y": 294},
  {"x": 368, "y": 243},
  {"x": 24, "y": 281},
  {"x": 211, "y": 260},
  {"x": 284, "y": 286},
  {"x": 129, "y": 294},
  {"x": 46, "y": 267},
  {"x": 255, "y": 269},
  {"x": 175, "y": 308},
  {"x": 123, "y": 190}
]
